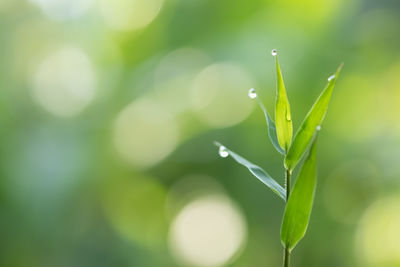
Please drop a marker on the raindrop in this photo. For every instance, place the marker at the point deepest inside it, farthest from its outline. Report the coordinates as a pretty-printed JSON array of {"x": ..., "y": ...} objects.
[
  {"x": 252, "y": 93},
  {"x": 223, "y": 152},
  {"x": 274, "y": 52},
  {"x": 318, "y": 128},
  {"x": 331, "y": 78}
]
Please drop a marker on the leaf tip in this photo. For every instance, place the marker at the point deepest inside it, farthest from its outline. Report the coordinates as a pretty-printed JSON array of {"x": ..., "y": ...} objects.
[
  {"x": 334, "y": 77},
  {"x": 252, "y": 93},
  {"x": 339, "y": 69},
  {"x": 222, "y": 151},
  {"x": 217, "y": 144}
]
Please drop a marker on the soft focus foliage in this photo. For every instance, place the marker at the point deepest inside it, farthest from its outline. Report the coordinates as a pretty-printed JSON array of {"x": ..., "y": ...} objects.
[{"x": 108, "y": 111}]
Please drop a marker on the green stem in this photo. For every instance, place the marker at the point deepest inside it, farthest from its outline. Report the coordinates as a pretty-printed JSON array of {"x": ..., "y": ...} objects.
[
  {"x": 288, "y": 173},
  {"x": 286, "y": 259}
]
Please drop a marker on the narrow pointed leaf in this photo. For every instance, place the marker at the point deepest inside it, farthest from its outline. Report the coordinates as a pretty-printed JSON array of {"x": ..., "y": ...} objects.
[
  {"x": 313, "y": 119},
  {"x": 298, "y": 208},
  {"x": 259, "y": 173},
  {"x": 271, "y": 129},
  {"x": 283, "y": 118}
]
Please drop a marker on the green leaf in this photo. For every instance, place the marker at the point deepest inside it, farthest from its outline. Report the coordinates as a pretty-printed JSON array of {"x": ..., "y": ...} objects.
[
  {"x": 313, "y": 119},
  {"x": 283, "y": 118},
  {"x": 298, "y": 207},
  {"x": 271, "y": 128},
  {"x": 259, "y": 173}
]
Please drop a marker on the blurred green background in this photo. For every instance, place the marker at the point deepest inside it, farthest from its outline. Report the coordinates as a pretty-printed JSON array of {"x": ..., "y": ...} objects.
[{"x": 109, "y": 108}]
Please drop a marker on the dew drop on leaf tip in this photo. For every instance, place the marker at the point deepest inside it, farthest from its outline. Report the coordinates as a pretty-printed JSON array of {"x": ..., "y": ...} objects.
[
  {"x": 274, "y": 52},
  {"x": 331, "y": 77},
  {"x": 252, "y": 93},
  {"x": 223, "y": 152}
]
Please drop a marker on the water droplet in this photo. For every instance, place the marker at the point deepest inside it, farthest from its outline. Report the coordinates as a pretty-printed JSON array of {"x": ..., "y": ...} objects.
[
  {"x": 274, "y": 52},
  {"x": 288, "y": 116},
  {"x": 331, "y": 77},
  {"x": 252, "y": 93},
  {"x": 223, "y": 152},
  {"x": 318, "y": 128}
]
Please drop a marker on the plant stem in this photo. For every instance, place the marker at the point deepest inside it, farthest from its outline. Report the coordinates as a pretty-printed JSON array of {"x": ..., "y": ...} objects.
[
  {"x": 286, "y": 259},
  {"x": 288, "y": 173}
]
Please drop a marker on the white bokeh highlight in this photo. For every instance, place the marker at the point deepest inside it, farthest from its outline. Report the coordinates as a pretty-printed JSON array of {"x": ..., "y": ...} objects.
[
  {"x": 145, "y": 133},
  {"x": 208, "y": 232},
  {"x": 63, "y": 9},
  {"x": 64, "y": 82},
  {"x": 219, "y": 95},
  {"x": 129, "y": 14}
]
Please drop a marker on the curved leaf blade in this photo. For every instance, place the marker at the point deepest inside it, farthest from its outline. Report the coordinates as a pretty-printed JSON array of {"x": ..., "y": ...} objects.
[
  {"x": 283, "y": 117},
  {"x": 259, "y": 173},
  {"x": 313, "y": 119},
  {"x": 271, "y": 128},
  {"x": 298, "y": 208}
]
